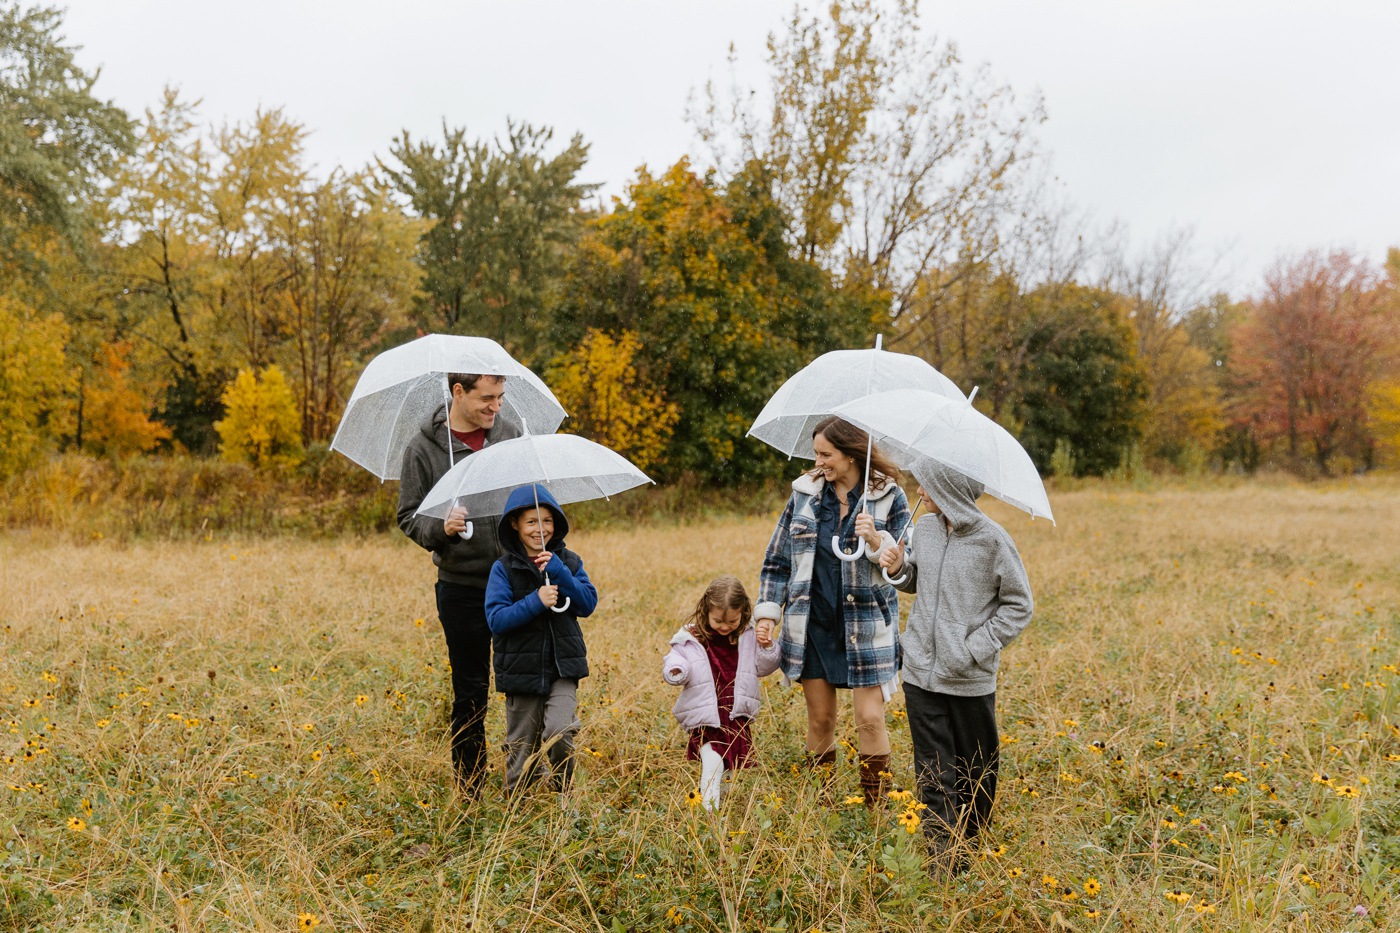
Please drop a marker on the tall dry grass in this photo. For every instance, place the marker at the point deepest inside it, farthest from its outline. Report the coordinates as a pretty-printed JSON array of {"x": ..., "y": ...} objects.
[{"x": 249, "y": 734}]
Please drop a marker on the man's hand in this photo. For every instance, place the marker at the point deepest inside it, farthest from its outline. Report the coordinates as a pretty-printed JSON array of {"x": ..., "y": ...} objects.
[
  {"x": 763, "y": 632},
  {"x": 865, "y": 528},
  {"x": 893, "y": 559},
  {"x": 456, "y": 522},
  {"x": 549, "y": 595}
]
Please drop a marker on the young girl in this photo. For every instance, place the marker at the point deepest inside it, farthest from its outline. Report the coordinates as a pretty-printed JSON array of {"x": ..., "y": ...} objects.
[{"x": 718, "y": 659}]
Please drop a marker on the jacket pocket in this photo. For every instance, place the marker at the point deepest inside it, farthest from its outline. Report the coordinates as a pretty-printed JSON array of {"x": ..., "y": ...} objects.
[{"x": 951, "y": 657}]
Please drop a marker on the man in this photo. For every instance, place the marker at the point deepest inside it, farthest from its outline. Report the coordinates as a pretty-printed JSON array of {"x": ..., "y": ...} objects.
[{"x": 463, "y": 565}]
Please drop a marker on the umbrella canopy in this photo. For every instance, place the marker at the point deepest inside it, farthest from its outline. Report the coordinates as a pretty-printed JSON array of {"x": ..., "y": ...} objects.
[
  {"x": 833, "y": 379},
  {"x": 401, "y": 387},
  {"x": 911, "y": 423},
  {"x": 572, "y": 468}
]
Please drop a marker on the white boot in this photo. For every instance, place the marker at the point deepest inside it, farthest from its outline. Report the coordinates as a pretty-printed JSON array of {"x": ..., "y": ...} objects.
[{"x": 711, "y": 776}]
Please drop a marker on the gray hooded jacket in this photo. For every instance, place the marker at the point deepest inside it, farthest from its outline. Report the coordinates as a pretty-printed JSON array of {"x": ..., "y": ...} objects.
[
  {"x": 424, "y": 463},
  {"x": 973, "y": 595}
]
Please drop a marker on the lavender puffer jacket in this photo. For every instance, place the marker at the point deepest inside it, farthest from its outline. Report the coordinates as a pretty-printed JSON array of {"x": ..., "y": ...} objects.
[{"x": 688, "y": 666}]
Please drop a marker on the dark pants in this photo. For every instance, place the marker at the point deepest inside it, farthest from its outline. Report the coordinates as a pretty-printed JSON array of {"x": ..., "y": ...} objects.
[
  {"x": 956, "y": 751},
  {"x": 462, "y": 611}
]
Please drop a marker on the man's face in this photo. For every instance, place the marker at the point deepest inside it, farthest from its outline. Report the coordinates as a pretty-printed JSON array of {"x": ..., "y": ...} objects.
[{"x": 479, "y": 407}]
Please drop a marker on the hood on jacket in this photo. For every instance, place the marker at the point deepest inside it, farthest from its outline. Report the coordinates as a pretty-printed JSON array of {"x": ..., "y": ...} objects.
[
  {"x": 953, "y": 492},
  {"x": 524, "y": 498}
]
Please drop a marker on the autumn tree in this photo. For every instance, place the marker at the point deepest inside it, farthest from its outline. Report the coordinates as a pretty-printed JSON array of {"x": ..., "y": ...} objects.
[
  {"x": 503, "y": 217},
  {"x": 893, "y": 162},
  {"x": 1306, "y": 355},
  {"x": 607, "y": 401},
  {"x": 113, "y": 420},
  {"x": 723, "y": 313},
  {"x": 261, "y": 425},
  {"x": 34, "y": 379}
]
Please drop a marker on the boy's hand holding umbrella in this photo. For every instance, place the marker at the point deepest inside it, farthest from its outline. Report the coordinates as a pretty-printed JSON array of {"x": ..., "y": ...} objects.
[{"x": 549, "y": 594}]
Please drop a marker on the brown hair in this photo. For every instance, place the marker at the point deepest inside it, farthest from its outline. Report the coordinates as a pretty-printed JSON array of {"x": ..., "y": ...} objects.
[
  {"x": 468, "y": 380},
  {"x": 723, "y": 593},
  {"x": 851, "y": 441}
]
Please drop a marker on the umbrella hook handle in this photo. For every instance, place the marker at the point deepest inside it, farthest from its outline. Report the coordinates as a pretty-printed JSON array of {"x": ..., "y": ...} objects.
[
  {"x": 466, "y": 535},
  {"x": 852, "y": 557},
  {"x": 567, "y": 599},
  {"x": 908, "y": 543},
  {"x": 908, "y": 553}
]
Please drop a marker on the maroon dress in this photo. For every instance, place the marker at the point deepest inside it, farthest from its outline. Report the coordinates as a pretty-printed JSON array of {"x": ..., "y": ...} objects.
[{"x": 731, "y": 739}]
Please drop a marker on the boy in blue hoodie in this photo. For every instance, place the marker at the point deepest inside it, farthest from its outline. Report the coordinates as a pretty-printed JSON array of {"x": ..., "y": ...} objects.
[
  {"x": 537, "y": 592},
  {"x": 973, "y": 600}
]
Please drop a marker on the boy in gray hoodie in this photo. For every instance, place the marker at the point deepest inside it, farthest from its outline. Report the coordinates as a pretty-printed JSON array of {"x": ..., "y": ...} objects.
[{"x": 973, "y": 600}]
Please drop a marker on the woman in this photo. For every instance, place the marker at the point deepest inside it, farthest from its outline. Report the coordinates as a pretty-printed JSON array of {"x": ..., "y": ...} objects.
[{"x": 840, "y": 620}]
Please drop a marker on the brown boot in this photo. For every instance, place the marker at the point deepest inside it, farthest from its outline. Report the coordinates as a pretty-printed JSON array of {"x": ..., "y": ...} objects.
[
  {"x": 824, "y": 762},
  {"x": 874, "y": 771}
]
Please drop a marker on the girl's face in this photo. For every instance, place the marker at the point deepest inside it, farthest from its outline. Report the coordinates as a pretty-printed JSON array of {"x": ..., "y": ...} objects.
[
  {"x": 535, "y": 527},
  {"x": 724, "y": 621},
  {"x": 835, "y": 466},
  {"x": 929, "y": 503}
]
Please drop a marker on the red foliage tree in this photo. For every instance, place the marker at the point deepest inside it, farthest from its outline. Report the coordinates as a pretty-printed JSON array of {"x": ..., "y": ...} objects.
[{"x": 1305, "y": 355}]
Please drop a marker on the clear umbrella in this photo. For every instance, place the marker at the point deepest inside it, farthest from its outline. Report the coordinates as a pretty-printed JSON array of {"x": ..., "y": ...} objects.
[
  {"x": 912, "y": 423},
  {"x": 403, "y": 386},
  {"x": 572, "y": 468},
  {"x": 832, "y": 380}
]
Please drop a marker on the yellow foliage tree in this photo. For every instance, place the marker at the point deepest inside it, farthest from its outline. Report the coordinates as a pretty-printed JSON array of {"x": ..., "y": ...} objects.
[
  {"x": 34, "y": 378},
  {"x": 261, "y": 423},
  {"x": 115, "y": 423},
  {"x": 1384, "y": 417},
  {"x": 608, "y": 401}
]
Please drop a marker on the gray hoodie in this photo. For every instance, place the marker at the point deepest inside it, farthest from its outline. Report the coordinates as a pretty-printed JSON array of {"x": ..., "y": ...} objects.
[
  {"x": 424, "y": 463},
  {"x": 975, "y": 598}
]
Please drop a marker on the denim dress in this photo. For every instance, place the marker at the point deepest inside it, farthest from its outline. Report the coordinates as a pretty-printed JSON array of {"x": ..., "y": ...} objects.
[{"x": 825, "y": 657}]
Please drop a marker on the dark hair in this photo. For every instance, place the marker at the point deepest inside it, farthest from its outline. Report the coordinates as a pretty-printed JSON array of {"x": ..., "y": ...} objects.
[
  {"x": 468, "y": 380},
  {"x": 851, "y": 441},
  {"x": 723, "y": 593}
]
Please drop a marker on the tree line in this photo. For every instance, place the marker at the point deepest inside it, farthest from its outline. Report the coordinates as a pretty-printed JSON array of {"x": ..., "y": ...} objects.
[{"x": 174, "y": 286}]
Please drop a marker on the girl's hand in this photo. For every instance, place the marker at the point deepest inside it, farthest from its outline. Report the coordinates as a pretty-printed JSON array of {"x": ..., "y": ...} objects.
[
  {"x": 893, "y": 559},
  {"x": 542, "y": 558},
  {"x": 763, "y": 632},
  {"x": 865, "y": 528},
  {"x": 549, "y": 595}
]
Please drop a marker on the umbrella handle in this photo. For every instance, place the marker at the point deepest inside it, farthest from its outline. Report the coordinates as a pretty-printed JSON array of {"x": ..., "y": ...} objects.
[
  {"x": 851, "y": 558},
  {"x": 563, "y": 608},
  {"x": 466, "y": 535},
  {"x": 902, "y": 577}
]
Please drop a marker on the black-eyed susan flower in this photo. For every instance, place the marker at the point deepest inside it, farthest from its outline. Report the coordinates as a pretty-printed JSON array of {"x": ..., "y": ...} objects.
[
  {"x": 1205, "y": 908},
  {"x": 1347, "y": 791},
  {"x": 76, "y": 824},
  {"x": 910, "y": 821},
  {"x": 371, "y": 879},
  {"x": 361, "y": 699},
  {"x": 1050, "y": 881},
  {"x": 1092, "y": 887},
  {"x": 854, "y": 799},
  {"x": 87, "y": 807},
  {"x": 694, "y": 799},
  {"x": 308, "y": 921},
  {"x": 1091, "y": 914},
  {"x": 1177, "y": 896}
]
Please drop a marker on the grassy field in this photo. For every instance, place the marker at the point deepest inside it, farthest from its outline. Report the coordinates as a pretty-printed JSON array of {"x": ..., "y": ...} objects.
[{"x": 1200, "y": 731}]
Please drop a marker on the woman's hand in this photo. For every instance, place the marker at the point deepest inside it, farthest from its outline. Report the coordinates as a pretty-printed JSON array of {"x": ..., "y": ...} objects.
[
  {"x": 893, "y": 559},
  {"x": 865, "y": 528}
]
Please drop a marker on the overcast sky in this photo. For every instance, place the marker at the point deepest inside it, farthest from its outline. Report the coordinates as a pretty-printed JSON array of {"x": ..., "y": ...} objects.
[{"x": 1267, "y": 126}]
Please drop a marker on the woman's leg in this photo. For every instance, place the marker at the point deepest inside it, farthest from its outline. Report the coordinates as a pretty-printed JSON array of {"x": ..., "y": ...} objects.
[
  {"x": 874, "y": 742},
  {"x": 821, "y": 716},
  {"x": 711, "y": 776}
]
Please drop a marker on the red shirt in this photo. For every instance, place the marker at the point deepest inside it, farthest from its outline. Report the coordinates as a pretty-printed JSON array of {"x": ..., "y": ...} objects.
[{"x": 473, "y": 439}]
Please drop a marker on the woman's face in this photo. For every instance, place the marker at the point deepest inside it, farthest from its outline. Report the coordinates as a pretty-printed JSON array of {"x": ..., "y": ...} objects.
[{"x": 835, "y": 466}]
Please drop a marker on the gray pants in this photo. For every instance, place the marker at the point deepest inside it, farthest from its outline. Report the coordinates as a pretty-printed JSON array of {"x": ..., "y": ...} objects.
[{"x": 535, "y": 721}]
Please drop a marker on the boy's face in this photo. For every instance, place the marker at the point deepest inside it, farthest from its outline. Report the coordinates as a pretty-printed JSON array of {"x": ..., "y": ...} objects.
[
  {"x": 535, "y": 527},
  {"x": 724, "y": 621},
  {"x": 929, "y": 503}
]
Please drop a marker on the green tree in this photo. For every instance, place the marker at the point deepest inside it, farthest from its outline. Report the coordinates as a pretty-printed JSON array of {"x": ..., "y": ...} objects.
[
  {"x": 723, "y": 313},
  {"x": 504, "y": 215},
  {"x": 1081, "y": 383},
  {"x": 57, "y": 141}
]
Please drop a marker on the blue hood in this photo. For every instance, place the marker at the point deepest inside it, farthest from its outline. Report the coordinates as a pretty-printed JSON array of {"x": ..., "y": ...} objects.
[{"x": 524, "y": 498}]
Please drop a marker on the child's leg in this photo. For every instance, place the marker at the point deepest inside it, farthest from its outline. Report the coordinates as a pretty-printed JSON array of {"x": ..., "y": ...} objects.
[
  {"x": 978, "y": 749},
  {"x": 524, "y": 716},
  {"x": 711, "y": 776},
  {"x": 560, "y": 725},
  {"x": 932, "y": 730}
]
